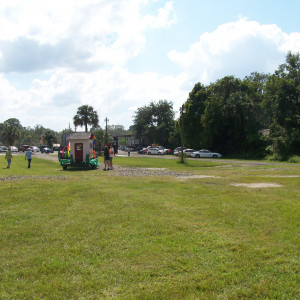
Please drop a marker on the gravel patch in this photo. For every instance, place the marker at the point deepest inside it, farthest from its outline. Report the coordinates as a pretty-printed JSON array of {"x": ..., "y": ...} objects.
[
  {"x": 137, "y": 172},
  {"x": 17, "y": 178}
]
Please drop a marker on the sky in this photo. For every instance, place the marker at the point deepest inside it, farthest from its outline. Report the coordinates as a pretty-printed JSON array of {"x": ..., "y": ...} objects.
[{"x": 118, "y": 55}]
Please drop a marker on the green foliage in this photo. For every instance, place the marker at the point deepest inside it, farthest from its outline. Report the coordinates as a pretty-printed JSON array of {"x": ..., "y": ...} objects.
[
  {"x": 49, "y": 137},
  {"x": 229, "y": 115},
  {"x": 99, "y": 135},
  {"x": 193, "y": 125},
  {"x": 116, "y": 130},
  {"x": 282, "y": 102},
  {"x": 155, "y": 121},
  {"x": 225, "y": 116},
  {"x": 10, "y": 133},
  {"x": 86, "y": 116}
]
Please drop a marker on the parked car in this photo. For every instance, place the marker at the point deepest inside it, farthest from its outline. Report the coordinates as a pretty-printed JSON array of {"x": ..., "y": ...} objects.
[
  {"x": 13, "y": 149},
  {"x": 206, "y": 153},
  {"x": 3, "y": 148},
  {"x": 23, "y": 147},
  {"x": 56, "y": 147},
  {"x": 143, "y": 151},
  {"x": 34, "y": 149},
  {"x": 188, "y": 152},
  {"x": 42, "y": 147},
  {"x": 47, "y": 150},
  {"x": 155, "y": 151},
  {"x": 177, "y": 150},
  {"x": 168, "y": 151}
]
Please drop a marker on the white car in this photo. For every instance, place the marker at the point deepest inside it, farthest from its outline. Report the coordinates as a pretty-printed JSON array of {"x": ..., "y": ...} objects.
[
  {"x": 13, "y": 149},
  {"x": 166, "y": 151},
  {"x": 188, "y": 152},
  {"x": 155, "y": 151},
  {"x": 34, "y": 149},
  {"x": 3, "y": 148},
  {"x": 177, "y": 151},
  {"x": 206, "y": 153}
]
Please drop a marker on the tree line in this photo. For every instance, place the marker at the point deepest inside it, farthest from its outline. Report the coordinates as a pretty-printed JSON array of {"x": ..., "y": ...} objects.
[
  {"x": 256, "y": 116},
  {"x": 12, "y": 133}
]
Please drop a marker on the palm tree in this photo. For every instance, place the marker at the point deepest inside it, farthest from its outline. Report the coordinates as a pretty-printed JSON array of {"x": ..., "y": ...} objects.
[
  {"x": 50, "y": 137},
  {"x": 85, "y": 116},
  {"x": 10, "y": 133}
]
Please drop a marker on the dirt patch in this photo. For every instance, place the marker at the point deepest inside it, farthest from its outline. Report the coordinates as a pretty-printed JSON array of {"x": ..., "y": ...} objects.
[
  {"x": 283, "y": 176},
  {"x": 258, "y": 185}
]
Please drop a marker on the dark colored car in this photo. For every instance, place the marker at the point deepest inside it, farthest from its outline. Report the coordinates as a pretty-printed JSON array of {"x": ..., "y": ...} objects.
[
  {"x": 46, "y": 150},
  {"x": 23, "y": 148}
]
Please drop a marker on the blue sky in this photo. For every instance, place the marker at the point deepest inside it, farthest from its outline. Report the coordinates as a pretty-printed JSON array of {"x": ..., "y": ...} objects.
[{"x": 118, "y": 55}]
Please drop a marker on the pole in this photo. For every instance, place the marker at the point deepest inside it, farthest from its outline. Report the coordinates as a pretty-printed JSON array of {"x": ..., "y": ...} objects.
[{"x": 106, "y": 120}]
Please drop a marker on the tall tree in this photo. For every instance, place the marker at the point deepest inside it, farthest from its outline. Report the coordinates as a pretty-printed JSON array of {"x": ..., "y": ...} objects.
[
  {"x": 283, "y": 104},
  {"x": 10, "y": 133},
  {"x": 116, "y": 130},
  {"x": 195, "y": 107},
  {"x": 14, "y": 122},
  {"x": 155, "y": 121},
  {"x": 50, "y": 137},
  {"x": 86, "y": 116}
]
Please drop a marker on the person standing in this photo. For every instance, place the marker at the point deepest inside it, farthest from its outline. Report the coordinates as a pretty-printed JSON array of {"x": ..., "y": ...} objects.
[
  {"x": 8, "y": 157},
  {"x": 111, "y": 155},
  {"x": 28, "y": 156},
  {"x": 106, "y": 158}
]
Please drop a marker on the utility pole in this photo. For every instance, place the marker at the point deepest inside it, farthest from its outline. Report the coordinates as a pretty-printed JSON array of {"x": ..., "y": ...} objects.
[{"x": 106, "y": 120}]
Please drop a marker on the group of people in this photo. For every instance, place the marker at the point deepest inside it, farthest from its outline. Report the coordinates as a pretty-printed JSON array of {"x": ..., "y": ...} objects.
[
  {"x": 9, "y": 157},
  {"x": 108, "y": 157}
]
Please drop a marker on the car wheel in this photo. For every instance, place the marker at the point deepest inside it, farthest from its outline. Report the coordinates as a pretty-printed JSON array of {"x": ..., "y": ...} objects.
[
  {"x": 159, "y": 153},
  {"x": 65, "y": 167},
  {"x": 215, "y": 156},
  {"x": 197, "y": 155},
  {"x": 149, "y": 153}
]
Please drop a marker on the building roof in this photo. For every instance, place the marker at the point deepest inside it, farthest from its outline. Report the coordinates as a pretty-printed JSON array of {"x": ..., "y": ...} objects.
[{"x": 78, "y": 136}]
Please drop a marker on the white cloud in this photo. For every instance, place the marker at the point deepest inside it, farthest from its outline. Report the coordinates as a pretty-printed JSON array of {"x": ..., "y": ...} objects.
[
  {"x": 83, "y": 48},
  {"x": 77, "y": 33},
  {"x": 236, "y": 48}
]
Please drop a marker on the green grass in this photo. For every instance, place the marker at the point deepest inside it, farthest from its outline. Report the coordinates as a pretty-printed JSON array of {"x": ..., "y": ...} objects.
[
  {"x": 172, "y": 164},
  {"x": 86, "y": 235}
]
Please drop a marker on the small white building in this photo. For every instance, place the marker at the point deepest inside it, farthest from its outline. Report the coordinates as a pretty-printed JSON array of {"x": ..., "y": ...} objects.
[{"x": 81, "y": 146}]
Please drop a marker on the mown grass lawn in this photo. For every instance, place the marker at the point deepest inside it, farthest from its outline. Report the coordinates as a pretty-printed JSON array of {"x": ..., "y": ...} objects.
[{"x": 87, "y": 235}]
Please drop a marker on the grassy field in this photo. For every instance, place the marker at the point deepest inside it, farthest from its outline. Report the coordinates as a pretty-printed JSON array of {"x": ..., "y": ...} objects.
[{"x": 88, "y": 235}]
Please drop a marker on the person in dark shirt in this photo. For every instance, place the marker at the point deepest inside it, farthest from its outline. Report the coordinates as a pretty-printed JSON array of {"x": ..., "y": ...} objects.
[{"x": 106, "y": 158}]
